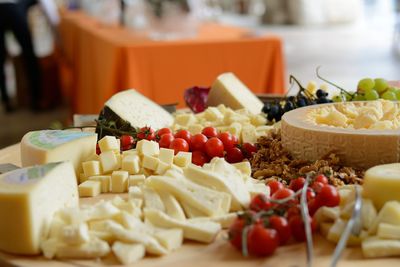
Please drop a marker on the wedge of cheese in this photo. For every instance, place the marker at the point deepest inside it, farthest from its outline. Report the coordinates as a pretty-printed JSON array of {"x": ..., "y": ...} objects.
[
  {"x": 29, "y": 198},
  {"x": 40, "y": 147},
  {"x": 231, "y": 92}
]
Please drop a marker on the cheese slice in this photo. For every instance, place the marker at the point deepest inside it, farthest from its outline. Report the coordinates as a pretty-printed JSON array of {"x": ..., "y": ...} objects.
[
  {"x": 375, "y": 247},
  {"x": 231, "y": 92},
  {"x": 128, "y": 253},
  {"x": 29, "y": 198},
  {"x": 40, "y": 147},
  {"x": 138, "y": 110}
]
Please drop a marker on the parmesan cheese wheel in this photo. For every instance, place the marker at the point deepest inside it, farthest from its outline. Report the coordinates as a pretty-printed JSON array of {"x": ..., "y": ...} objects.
[{"x": 359, "y": 148}]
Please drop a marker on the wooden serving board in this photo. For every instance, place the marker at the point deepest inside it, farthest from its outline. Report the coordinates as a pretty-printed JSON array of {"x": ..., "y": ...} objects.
[{"x": 192, "y": 254}]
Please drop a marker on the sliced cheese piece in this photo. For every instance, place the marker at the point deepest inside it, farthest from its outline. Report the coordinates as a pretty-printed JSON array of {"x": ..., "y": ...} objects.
[
  {"x": 40, "y": 147},
  {"x": 138, "y": 110},
  {"x": 89, "y": 188},
  {"x": 375, "y": 247},
  {"x": 128, "y": 253},
  {"x": 379, "y": 179},
  {"x": 390, "y": 213},
  {"x": 29, "y": 198},
  {"x": 244, "y": 167},
  {"x": 152, "y": 199},
  {"x": 171, "y": 239},
  {"x": 95, "y": 248},
  {"x": 202, "y": 231},
  {"x": 102, "y": 210},
  {"x": 231, "y": 92},
  {"x": 190, "y": 211},
  {"x": 327, "y": 214},
  {"x": 368, "y": 213},
  {"x": 75, "y": 234},
  {"x": 388, "y": 231},
  {"x": 225, "y": 220},
  {"x": 335, "y": 232},
  {"x": 172, "y": 206}
]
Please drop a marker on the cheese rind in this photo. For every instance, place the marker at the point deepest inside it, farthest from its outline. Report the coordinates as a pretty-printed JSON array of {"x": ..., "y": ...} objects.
[
  {"x": 41, "y": 147},
  {"x": 29, "y": 198}
]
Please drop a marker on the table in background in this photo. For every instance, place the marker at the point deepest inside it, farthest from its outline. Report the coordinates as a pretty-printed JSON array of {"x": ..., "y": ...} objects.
[{"x": 101, "y": 60}]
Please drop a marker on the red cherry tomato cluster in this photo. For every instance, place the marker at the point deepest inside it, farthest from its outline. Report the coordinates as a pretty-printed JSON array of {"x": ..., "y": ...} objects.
[{"x": 269, "y": 224}]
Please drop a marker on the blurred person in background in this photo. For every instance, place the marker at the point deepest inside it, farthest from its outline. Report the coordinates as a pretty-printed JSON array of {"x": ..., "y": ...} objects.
[{"x": 14, "y": 18}]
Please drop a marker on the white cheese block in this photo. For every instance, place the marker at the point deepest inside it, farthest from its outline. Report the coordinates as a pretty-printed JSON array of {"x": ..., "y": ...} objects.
[
  {"x": 382, "y": 184},
  {"x": 40, "y": 147},
  {"x": 108, "y": 143},
  {"x": 231, "y": 92},
  {"x": 375, "y": 247},
  {"x": 138, "y": 110},
  {"x": 89, "y": 188},
  {"x": 29, "y": 198}
]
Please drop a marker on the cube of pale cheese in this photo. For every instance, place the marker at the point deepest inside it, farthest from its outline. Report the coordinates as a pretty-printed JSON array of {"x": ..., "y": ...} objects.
[
  {"x": 135, "y": 192},
  {"x": 162, "y": 168},
  {"x": 148, "y": 148},
  {"x": 128, "y": 253},
  {"x": 89, "y": 188},
  {"x": 109, "y": 161},
  {"x": 82, "y": 177},
  {"x": 108, "y": 143},
  {"x": 235, "y": 129},
  {"x": 146, "y": 172},
  {"x": 213, "y": 114},
  {"x": 29, "y": 198},
  {"x": 131, "y": 163},
  {"x": 183, "y": 159},
  {"x": 258, "y": 120},
  {"x": 105, "y": 181},
  {"x": 171, "y": 239},
  {"x": 244, "y": 167},
  {"x": 249, "y": 134},
  {"x": 75, "y": 234},
  {"x": 185, "y": 119},
  {"x": 135, "y": 180},
  {"x": 119, "y": 181},
  {"x": 91, "y": 168},
  {"x": 150, "y": 162},
  {"x": 130, "y": 152},
  {"x": 166, "y": 155},
  {"x": 195, "y": 128}
]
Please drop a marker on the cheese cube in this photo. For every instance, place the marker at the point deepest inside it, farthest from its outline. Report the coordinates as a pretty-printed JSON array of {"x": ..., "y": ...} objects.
[
  {"x": 82, "y": 177},
  {"x": 146, "y": 172},
  {"x": 91, "y": 168},
  {"x": 235, "y": 129},
  {"x": 109, "y": 161},
  {"x": 249, "y": 134},
  {"x": 244, "y": 167},
  {"x": 258, "y": 120},
  {"x": 185, "y": 119},
  {"x": 162, "y": 168},
  {"x": 130, "y": 163},
  {"x": 130, "y": 152},
  {"x": 195, "y": 128},
  {"x": 119, "y": 181},
  {"x": 166, "y": 155},
  {"x": 136, "y": 179},
  {"x": 108, "y": 143},
  {"x": 105, "y": 181},
  {"x": 183, "y": 159},
  {"x": 213, "y": 114},
  {"x": 128, "y": 253},
  {"x": 29, "y": 198},
  {"x": 149, "y": 148},
  {"x": 89, "y": 188},
  {"x": 150, "y": 162},
  {"x": 135, "y": 193}
]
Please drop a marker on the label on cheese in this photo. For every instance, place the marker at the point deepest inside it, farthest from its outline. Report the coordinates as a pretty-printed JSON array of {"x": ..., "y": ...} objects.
[
  {"x": 50, "y": 139},
  {"x": 29, "y": 175}
]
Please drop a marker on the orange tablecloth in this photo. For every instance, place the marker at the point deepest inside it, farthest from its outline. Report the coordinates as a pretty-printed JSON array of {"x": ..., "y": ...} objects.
[{"x": 101, "y": 60}]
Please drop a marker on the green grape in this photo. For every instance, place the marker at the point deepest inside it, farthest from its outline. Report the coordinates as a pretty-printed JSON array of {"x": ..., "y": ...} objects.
[
  {"x": 381, "y": 85},
  {"x": 366, "y": 84},
  {"x": 359, "y": 97},
  {"x": 389, "y": 95},
  {"x": 371, "y": 95},
  {"x": 398, "y": 93},
  {"x": 348, "y": 97},
  {"x": 337, "y": 98},
  {"x": 392, "y": 89}
]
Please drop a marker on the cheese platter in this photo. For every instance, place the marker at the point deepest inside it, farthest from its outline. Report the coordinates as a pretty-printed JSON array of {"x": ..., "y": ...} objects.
[{"x": 221, "y": 184}]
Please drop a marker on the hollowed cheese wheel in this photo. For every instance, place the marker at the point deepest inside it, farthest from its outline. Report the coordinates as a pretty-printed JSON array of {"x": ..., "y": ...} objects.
[{"x": 360, "y": 148}]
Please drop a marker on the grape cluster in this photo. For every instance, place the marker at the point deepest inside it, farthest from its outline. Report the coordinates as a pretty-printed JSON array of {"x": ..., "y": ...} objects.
[
  {"x": 373, "y": 89},
  {"x": 275, "y": 110}
]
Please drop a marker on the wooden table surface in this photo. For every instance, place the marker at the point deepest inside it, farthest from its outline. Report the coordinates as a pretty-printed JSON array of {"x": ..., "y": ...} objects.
[{"x": 219, "y": 253}]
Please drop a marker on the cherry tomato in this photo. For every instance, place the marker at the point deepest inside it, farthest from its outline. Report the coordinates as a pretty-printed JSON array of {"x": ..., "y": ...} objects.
[
  {"x": 227, "y": 140},
  {"x": 317, "y": 186},
  {"x": 234, "y": 155},
  {"x": 214, "y": 147},
  {"x": 297, "y": 184},
  {"x": 321, "y": 178},
  {"x": 310, "y": 194},
  {"x": 146, "y": 133},
  {"x": 184, "y": 134},
  {"x": 281, "y": 225},
  {"x": 274, "y": 186},
  {"x": 328, "y": 196},
  {"x": 198, "y": 142},
  {"x": 199, "y": 158},
  {"x": 260, "y": 202},
  {"x": 126, "y": 142},
  {"x": 210, "y": 132},
  {"x": 248, "y": 150},
  {"x": 312, "y": 207},
  {"x": 166, "y": 140},
  {"x": 282, "y": 193},
  {"x": 297, "y": 227},
  {"x": 262, "y": 241},
  {"x": 292, "y": 211},
  {"x": 235, "y": 139},
  {"x": 179, "y": 144},
  {"x": 163, "y": 131},
  {"x": 235, "y": 232}
]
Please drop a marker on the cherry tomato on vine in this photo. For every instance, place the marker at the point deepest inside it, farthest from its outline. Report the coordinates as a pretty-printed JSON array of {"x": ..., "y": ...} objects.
[
  {"x": 297, "y": 227},
  {"x": 248, "y": 149},
  {"x": 312, "y": 207},
  {"x": 262, "y": 241},
  {"x": 260, "y": 202},
  {"x": 321, "y": 178},
  {"x": 146, "y": 133},
  {"x": 214, "y": 147},
  {"x": 227, "y": 140},
  {"x": 274, "y": 186},
  {"x": 166, "y": 140},
  {"x": 282, "y": 193},
  {"x": 235, "y": 233},
  {"x": 198, "y": 142},
  {"x": 281, "y": 225},
  {"x": 234, "y": 155},
  {"x": 328, "y": 196},
  {"x": 179, "y": 144},
  {"x": 163, "y": 131},
  {"x": 317, "y": 186},
  {"x": 297, "y": 184},
  {"x": 199, "y": 158},
  {"x": 210, "y": 132},
  {"x": 184, "y": 134}
]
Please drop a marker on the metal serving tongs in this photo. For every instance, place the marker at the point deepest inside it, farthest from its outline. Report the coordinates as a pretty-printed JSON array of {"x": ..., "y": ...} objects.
[
  {"x": 306, "y": 219},
  {"x": 353, "y": 227}
]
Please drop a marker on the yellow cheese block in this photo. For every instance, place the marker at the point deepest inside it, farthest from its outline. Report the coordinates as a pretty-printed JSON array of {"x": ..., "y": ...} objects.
[
  {"x": 382, "y": 184},
  {"x": 29, "y": 198},
  {"x": 360, "y": 148}
]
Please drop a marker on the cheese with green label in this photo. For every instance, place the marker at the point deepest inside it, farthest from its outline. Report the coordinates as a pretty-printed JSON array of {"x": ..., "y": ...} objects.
[
  {"x": 41, "y": 147},
  {"x": 29, "y": 198}
]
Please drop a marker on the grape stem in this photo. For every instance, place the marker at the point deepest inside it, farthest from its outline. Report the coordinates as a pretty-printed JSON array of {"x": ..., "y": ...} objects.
[
  {"x": 302, "y": 89},
  {"x": 333, "y": 84}
]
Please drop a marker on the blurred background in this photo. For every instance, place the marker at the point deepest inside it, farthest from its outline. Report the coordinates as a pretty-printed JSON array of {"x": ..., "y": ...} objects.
[{"x": 87, "y": 50}]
